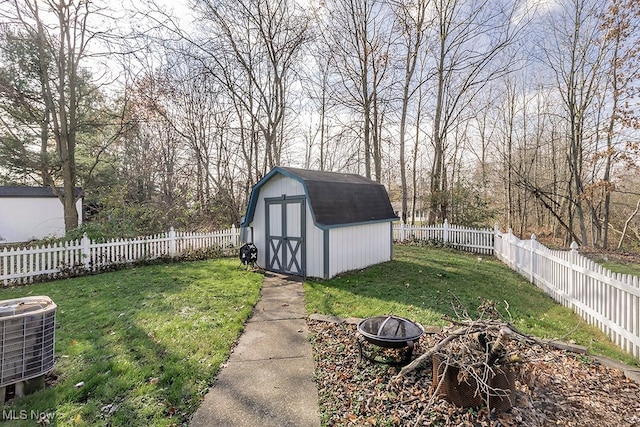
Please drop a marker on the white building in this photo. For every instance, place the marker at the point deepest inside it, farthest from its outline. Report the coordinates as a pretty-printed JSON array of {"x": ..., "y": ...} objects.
[
  {"x": 28, "y": 213},
  {"x": 318, "y": 224}
]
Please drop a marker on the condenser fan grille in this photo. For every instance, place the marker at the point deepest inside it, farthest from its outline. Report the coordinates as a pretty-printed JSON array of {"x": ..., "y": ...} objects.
[{"x": 27, "y": 331}]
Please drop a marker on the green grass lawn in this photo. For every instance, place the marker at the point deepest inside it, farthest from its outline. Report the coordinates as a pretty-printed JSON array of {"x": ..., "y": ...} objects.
[
  {"x": 622, "y": 268},
  {"x": 425, "y": 284},
  {"x": 146, "y": 342}
]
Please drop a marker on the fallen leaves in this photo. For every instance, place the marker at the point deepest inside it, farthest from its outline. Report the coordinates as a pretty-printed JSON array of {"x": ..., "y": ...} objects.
[{"x": 554, "y": 387}]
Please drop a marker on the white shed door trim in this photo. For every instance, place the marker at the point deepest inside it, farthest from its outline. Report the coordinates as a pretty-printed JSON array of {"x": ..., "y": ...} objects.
[{"x": 285, "y": 233}]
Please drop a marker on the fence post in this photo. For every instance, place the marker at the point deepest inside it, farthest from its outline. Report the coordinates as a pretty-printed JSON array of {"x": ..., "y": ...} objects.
[
  {"x": 532, "y": 257},
  {"x": 85, "y": 251},
  {"x": 445, "y": 232},
  {"x": 235, "y": 236},
  {"x": 572, "y": 284},
  {"x": 5, "y": 270},
  {"x": 510, "y": 240},
  {"x": 172, "y": 242}
]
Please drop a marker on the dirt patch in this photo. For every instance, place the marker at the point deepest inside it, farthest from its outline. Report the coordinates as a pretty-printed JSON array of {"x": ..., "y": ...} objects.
[{"x": 553, "y": 387}]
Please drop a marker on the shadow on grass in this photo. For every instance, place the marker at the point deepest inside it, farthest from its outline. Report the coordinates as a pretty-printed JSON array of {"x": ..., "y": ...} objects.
[
  {"x": 427, "y": 284},
  {"x": 431, "y": 284},
  {"x": 139, "y": 347}
]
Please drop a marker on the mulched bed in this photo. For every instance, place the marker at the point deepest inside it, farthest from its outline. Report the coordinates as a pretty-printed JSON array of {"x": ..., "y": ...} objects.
[{"x": 553, "y": 387}]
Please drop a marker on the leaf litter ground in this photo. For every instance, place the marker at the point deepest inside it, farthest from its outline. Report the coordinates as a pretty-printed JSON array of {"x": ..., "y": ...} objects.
[{"x": 553, "y": 387}]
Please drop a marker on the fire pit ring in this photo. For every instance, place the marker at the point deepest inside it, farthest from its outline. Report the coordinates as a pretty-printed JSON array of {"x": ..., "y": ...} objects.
[{"x": 389, "y": 332}]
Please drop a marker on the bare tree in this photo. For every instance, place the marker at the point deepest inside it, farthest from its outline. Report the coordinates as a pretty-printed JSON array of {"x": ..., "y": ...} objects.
[
  {"x": 359, "y": 35},
  {"x": 233, "y": 77},
  {"x": 576, "y": 55},
  {"x": 471, "y": 37},
  {"x": 319, "y": 81},
  {"x": 620, "y": 24},
  {"x": 410, "y": 24},
  {"x": 254, "y": 54},
  {"x": 156, "y": 163}
]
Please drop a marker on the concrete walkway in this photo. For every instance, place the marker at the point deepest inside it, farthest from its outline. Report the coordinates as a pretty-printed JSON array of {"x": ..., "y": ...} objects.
[{"x": 268, "y": 379}]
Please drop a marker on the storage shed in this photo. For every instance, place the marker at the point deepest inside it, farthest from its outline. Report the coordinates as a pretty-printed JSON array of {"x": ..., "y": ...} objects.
[
  {"x": 28, "y": 213},
  {"x": 319, "y": 224}
]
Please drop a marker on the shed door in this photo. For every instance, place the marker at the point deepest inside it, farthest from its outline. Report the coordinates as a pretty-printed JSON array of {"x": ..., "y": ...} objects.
[{"x": 285, "y": 220}]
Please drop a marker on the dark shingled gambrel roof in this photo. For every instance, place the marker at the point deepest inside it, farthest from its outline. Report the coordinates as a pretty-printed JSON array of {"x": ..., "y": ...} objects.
[
  {"x": 335, "y": 198},
  {"x": 23, "y": 191}
]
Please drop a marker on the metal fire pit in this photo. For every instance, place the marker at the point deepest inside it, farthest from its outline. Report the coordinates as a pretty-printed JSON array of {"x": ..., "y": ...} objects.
[{"x": 389, "y": 332}]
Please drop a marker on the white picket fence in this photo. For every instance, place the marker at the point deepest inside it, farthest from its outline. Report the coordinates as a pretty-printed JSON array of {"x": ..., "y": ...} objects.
[
  {"x": 24, "y": 265},
  {"x": 607, "y": 300},
  {"x": 462, "y": 238}
]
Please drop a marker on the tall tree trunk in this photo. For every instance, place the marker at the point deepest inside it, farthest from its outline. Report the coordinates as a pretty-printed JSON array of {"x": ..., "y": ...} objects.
[
  {"x": 411, "y": 59},
  {"x": 438, "y": 144},
  {"x": 604, "y": 230}
]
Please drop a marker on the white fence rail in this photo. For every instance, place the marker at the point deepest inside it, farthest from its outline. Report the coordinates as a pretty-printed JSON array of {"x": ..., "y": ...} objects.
[
  {"x": 24, "y": 265},
  {"x": 455, "y": 236},
  {"x": 604, "y": 299},
  {"x": 607, "y": 300}
]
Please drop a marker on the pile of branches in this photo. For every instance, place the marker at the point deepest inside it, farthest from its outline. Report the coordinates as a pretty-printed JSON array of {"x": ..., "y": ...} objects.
[
  {"x": 475, "y": 352},
  {"x": 473, "y": 344}
]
